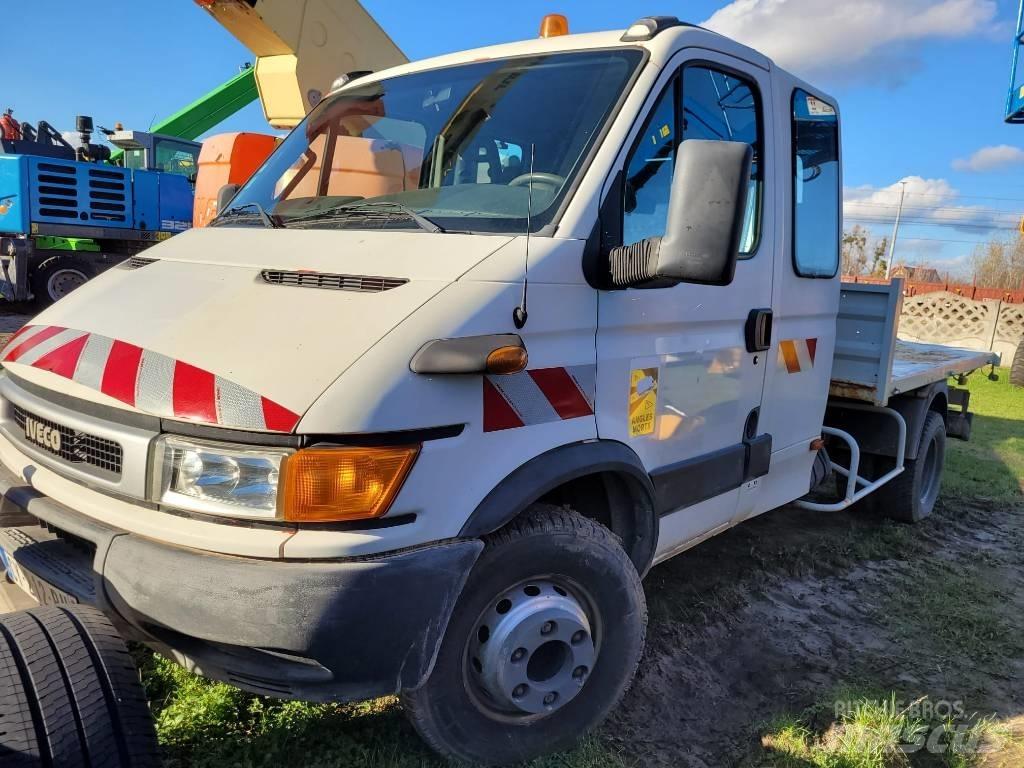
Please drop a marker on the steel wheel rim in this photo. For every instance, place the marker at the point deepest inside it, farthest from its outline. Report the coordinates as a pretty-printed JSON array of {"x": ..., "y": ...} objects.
[
  {"x": 64, "y": 281},
  {"x": 516, "y": 647}
]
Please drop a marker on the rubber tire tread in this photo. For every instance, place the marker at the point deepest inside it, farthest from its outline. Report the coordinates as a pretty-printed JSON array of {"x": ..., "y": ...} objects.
[
  {"x": 540, "y": 520},
  {"x": 1017, "y": 369},
  {"x": 19, "y": 741},
  {"x": 899, "y": 499},
  {"x": 81, "y": 691}
]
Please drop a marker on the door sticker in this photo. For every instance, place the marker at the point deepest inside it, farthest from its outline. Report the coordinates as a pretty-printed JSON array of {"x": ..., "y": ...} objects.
[
  {"x": 643, "y": 401},
  {"x": 797, "y": 355}
]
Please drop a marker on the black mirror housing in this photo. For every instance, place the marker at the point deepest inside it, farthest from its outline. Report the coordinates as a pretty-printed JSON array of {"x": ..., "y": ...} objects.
[
  {"x": 224, "y": 195},
  {"x": 705, "y": 221}
]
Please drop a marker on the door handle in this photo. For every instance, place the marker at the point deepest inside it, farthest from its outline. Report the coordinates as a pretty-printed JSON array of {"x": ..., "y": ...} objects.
[{"x": 758, "y": 331}]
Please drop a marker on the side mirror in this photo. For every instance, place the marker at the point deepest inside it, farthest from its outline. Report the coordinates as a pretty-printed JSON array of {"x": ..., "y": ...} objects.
[
  {"x": 706, "y": 209},
  {"x": 224, "y": 196}
]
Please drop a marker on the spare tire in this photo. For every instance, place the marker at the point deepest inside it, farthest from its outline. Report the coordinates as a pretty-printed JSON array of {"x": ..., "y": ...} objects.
[
  {"x": 1017, "y": 369},
  {"x": 70, "y": 694}
]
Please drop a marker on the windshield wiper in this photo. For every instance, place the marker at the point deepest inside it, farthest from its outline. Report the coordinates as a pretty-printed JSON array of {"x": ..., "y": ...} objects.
[
  {"x": 268, "y": 221},
  {"x": 369, "y": 207}
]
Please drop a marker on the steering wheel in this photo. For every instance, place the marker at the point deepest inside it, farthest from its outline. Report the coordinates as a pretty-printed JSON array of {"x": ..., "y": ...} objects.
[{"x": 552, "y": 180}]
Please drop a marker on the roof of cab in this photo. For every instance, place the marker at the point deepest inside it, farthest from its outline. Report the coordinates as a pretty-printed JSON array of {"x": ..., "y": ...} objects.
[{"x": 660, "y": 47}]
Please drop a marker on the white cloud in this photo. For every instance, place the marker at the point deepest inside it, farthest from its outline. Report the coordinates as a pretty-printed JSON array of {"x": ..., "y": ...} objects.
[
  {"x": 929, "y": 202},
  {"x": 849, "y": 38},
  {"x": 990, "y": 159}
]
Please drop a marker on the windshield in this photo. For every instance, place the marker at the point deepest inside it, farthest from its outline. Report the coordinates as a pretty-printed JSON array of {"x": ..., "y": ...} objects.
[
  {"x": 446, "y": 149},
  {"x": 176, "y": 157}
]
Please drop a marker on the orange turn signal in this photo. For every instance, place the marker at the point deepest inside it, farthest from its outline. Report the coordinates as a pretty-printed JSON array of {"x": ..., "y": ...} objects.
[
  {"x": 554, "y": 25},
  {"x": 507, "y": 360},
  {"x": 332, "y": 484}
]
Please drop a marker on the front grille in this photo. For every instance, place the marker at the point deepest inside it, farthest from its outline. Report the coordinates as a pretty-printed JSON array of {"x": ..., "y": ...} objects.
[
  {"x": 75, "y": 447},
  {"x": 359, "y": 283}
]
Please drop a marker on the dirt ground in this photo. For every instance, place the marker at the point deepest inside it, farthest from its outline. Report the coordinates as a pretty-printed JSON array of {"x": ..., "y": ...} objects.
[{"x": 765, "y": 619}]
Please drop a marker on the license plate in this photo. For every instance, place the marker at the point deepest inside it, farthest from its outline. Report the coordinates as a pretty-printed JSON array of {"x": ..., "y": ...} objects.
[{"x": 42, "y": 592}]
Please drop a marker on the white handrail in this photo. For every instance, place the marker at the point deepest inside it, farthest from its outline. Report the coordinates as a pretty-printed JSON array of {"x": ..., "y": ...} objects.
[{"x": 869, "y": 486}]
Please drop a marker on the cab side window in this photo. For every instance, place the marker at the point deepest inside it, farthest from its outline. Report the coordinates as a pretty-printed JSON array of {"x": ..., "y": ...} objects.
[
  {"x": 705, "y": 103},
  {"x": 816, "y": 191},
  {"x": 719, "y": 106},
  {"x": 649, "y": 173}
]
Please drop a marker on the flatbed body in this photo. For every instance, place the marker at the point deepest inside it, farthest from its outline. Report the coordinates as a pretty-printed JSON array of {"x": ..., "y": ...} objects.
[{"x": 872, "y": 364}]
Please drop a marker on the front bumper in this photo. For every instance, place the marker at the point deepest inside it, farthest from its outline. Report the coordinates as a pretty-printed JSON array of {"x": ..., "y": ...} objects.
[{"x": 338, "y": 630}]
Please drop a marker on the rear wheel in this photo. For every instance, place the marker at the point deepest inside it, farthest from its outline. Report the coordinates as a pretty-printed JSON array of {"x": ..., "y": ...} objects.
[
  {"x": 544, "y": 642},
  {"x": 911, "y": 496},
  {"x": 1017, "y": 370},
  {"x": 69, "y": 693},
  {"x": 58, "y": 276}
]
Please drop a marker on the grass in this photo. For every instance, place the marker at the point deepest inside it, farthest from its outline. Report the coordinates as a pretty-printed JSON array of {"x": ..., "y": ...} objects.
[
  {"x": 952, "y": 611},
  {"x": 871, "y": 732},
  {"x": 991, "y": 465},
  {"x": 202, "y": 724}
]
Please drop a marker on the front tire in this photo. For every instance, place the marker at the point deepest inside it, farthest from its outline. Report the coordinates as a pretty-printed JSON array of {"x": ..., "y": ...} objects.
[{"x": 543, "y": 643}]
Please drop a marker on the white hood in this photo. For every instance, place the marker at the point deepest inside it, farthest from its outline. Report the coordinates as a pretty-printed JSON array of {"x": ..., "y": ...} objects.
[{"x": 204, "y": 303}]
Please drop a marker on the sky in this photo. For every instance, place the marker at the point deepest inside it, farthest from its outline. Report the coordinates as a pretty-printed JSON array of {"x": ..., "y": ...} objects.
[{"x": 921, "y": 85}]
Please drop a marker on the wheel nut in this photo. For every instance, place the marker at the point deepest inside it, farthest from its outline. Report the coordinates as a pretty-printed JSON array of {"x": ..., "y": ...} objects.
[
  {"x": 518, "y": 654},
  {"x": 579, "y": 672},
  {"x": 548, "y": 628},
  {"x": 578, "y": 637},
  {"x": 550, "y": 699},
  {"x": 519, "y": 691}
]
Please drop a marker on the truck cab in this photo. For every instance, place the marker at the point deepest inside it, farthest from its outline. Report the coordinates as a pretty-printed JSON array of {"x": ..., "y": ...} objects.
[
  {"x": 486, "y": 338},
  {"x": 152, "y": 152}
]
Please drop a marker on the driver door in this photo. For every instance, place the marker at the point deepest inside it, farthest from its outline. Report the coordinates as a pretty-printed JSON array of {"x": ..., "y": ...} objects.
[{"x": 676, "y": 381}]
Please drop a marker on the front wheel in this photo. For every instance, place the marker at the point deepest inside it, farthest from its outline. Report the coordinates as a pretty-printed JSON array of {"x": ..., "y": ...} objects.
[{"x": 543, "y": 643}]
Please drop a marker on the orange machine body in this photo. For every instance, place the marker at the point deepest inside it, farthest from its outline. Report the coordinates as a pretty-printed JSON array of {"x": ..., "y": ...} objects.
[{"x": 228, "y": 158}]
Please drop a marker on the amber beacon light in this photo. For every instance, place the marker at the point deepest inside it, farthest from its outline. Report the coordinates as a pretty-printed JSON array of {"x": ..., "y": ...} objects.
[
  {"x": 554, "y": 25},
  {"x": 336, "y": 484}
]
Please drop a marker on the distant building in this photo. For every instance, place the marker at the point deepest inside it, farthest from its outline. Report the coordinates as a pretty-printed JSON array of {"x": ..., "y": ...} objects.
[{"x": 917, "y": 274}]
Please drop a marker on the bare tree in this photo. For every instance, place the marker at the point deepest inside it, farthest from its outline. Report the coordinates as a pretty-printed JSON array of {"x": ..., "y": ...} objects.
[
  {"x": 999, "y": 263},
  {"x": 854, "y": 253}
]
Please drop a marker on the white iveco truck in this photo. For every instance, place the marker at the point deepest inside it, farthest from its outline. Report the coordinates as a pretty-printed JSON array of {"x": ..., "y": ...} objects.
[{"x": 485, "y": 339}]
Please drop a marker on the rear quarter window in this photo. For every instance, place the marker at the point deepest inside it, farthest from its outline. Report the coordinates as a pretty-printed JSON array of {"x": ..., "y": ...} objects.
[{"x": 816, "y": 191}]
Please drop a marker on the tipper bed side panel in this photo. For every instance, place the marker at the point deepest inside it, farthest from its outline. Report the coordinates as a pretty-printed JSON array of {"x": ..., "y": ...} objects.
[{"x": 866, "y": 341}]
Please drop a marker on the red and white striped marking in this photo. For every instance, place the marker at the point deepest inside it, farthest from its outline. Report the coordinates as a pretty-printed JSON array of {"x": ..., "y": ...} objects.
[
  {"x": 538, "y": 396},
  {"x": 797, "y": 355},
  {"x": 146, "y": 380}
]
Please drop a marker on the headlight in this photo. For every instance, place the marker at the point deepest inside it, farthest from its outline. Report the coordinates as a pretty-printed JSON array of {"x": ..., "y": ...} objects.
[
  {"x": 310, "y": 485},
  {"x": 218, "y": 479}
]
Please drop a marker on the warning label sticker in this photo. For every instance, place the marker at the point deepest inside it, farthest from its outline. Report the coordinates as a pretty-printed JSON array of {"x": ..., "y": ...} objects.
[
  {"x": 643, "y": 401},
  {"x": 817, "y": 107}
]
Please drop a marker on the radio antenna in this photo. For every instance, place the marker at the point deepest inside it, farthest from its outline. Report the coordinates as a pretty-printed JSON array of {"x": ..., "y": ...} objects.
[{"x": 519, "y": 314}]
